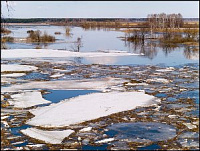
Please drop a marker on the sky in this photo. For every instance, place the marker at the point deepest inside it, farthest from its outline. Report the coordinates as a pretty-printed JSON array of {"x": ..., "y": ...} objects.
[{"x": 97, "y": 9}]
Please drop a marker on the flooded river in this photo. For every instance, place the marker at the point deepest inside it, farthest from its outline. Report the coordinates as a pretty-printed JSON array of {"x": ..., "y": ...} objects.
[{"x": 170, "y": 75}]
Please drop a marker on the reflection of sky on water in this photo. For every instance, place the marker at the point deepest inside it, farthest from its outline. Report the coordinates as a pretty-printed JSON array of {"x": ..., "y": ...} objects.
[
  {"x": 172, "y": 59},
  {"x": 94, "y": 40}
]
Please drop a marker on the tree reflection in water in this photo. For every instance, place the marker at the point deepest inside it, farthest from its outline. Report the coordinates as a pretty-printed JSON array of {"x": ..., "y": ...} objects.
[
  {"x": 191, "y": 52},
  {"x": 78, "y": 60},
  {"x": 150, "y": 49},
  {"x": 167, "y": 48}
]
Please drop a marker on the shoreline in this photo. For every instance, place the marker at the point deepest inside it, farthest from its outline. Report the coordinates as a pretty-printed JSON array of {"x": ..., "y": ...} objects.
[{"x": 26, "y": 24}]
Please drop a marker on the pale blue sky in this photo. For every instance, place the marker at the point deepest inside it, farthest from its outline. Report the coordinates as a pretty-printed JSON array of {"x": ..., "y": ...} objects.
[{"x": 98, "y": 9}]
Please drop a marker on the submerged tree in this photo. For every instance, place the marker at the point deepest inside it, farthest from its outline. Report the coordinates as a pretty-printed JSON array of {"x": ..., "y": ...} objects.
[{"x": 77, "y": 45}]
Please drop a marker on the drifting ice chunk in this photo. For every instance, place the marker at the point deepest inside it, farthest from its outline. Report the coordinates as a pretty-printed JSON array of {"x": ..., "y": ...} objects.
[
  {"x": 86, "y": 129},
  {"x": 159, "y": 80},
  {"x": 35, "y": 53},
  {"x": 16, "y": 67},
  {"x": 86, "y": 84},
  {"x": 166, "y": 70},
  {"x": 52, "y": 137},
  {"x": 13, "y": 75},
  {"x": 27, "y": 99},
  {"x": 105, "y": 140},
  {"x": 88, "y": 107},
  {"x": 57, "y": 75}
]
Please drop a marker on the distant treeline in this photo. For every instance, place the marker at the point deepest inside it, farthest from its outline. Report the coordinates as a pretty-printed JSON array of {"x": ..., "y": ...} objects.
[{"x": 49, "y": 20}]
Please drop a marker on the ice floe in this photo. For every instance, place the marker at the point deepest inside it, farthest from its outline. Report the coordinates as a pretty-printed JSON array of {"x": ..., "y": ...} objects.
[
  {"x": 34, "y": 53},
  {"x": 88, "y": 107},
  {"x": 52, "y": 137},
  {"x": 4, "y": 117},
  {"x": 166, "y": 70},
  {"x": 105, "y": 140},
  {"x": 35, "y": 145},
  {"x": 27, "y": 99},
  {"x": 89, "y": 84},
  {"x": 10, "y": 80},
  {"x": 159, "y": 80},
  {"x": 190, "y": 126},
  {"x": 86, "y": 129},
  {"x": 13, "y": 75},
  {"x": 57, "y": 75},
  {"x": 16, "y": 67},
  {"x": 134, "y": 84}
]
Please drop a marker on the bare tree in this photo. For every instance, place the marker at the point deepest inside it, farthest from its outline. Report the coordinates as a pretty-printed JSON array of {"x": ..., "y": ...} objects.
[
  {"x": 164, "y": 21},
  {"x": 77, "y": 45}
]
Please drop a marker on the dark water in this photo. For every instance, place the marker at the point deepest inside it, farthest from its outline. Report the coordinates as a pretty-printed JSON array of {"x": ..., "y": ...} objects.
[
  {"x": 16, "y": 130},
  {"x": 34, "y": 76},
  {"x": 57, "y": 95},
  {"x": 140, "y": 131},
  {"x": 150, "y": 147},
  {"x": 190, "y": 94},
  {"x": 89, "y": 147}
]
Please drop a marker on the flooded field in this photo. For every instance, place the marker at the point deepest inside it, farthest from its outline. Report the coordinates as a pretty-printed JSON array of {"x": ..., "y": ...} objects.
[{"x": 110, "y": 95}]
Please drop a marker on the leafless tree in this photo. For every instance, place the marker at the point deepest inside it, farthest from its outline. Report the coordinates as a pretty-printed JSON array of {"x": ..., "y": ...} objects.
[
  {"x": 77, "y": 45},
  {"x": 164, "y": 21}
]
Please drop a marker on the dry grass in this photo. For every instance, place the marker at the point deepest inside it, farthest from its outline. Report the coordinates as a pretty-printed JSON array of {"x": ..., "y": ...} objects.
[{"x": 191, "y": 43}]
